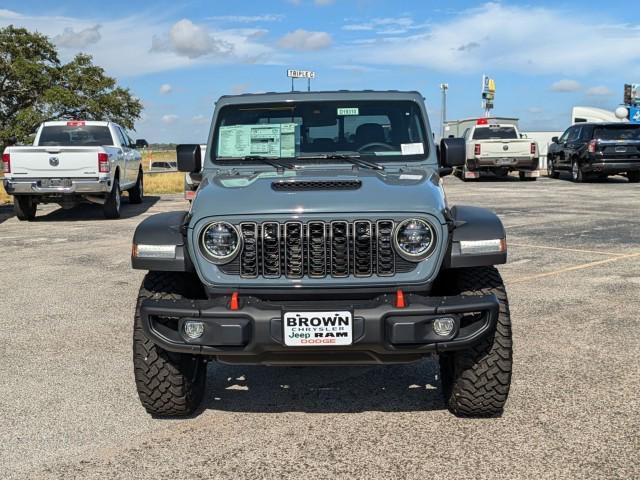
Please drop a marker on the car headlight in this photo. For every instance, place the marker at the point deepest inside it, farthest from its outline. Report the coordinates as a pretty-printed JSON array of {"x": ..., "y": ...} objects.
[
  {"x": 415, "y": 239},
  {"x": 220, "y": 242}
]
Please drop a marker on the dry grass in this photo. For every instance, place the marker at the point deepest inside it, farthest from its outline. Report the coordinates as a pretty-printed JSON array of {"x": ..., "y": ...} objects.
[
  {"x": 155, "y": 183},
  {"x": 4, "y": 196},
  {"x": 154, "y": 155}
]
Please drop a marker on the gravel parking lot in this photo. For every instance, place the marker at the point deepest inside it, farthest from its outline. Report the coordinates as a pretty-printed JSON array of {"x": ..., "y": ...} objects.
[{"x": 68, "y": 406}]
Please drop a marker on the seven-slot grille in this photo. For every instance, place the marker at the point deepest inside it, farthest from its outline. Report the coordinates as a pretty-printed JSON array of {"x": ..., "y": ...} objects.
[{"x": 317, "y": 249}]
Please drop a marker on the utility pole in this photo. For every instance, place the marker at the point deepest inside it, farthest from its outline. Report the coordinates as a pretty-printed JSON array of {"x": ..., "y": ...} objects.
[{"x": 444, "y": 87}]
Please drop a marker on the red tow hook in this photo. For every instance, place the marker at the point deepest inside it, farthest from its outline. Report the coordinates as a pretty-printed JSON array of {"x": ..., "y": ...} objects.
[
  {"x": 234, "y": 304},
  {"x": 400, "y": 302}
]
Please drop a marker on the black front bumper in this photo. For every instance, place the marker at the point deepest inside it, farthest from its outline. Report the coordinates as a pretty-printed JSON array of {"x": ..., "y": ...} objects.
[{"x": 382, "y": 333}]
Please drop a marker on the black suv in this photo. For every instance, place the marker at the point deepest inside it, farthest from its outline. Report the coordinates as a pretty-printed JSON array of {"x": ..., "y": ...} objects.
[{"x": 595, "y": 151}]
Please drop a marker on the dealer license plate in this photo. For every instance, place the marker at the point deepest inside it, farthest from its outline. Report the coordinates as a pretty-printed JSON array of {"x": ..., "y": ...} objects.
[
  {"x": 318, "y": 329},
  {"x": 505, "y": 161},
  {"x": 55, "y": 182}
]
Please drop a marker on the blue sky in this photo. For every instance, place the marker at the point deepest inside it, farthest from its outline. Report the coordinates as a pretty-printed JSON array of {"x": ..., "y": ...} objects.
[{"x": 178, "y": 57}]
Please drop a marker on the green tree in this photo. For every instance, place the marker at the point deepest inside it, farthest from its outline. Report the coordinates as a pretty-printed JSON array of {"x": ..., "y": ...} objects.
[{"x": 35, "y": 86}]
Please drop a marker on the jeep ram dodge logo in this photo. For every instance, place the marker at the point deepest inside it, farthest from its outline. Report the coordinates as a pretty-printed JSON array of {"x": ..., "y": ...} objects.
[
  {"x": 54, "y": 161},
  {"x": 505, "y": 147}
]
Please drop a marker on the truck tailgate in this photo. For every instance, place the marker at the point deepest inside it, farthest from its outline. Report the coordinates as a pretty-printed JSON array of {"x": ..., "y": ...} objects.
[
  {"x": 504, "y": 148},
  {"x": 55, "y": 162}
]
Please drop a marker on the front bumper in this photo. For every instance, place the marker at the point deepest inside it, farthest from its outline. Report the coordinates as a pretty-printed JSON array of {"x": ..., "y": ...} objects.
[
  {"x": 382, "y": 333},
  {"x": 612, "y": 166},
  {"x": 33, "y": 186}
]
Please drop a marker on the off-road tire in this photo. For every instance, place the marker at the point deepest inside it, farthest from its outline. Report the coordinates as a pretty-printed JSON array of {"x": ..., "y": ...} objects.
[
  {"x": 169, "y": 384},
  {"x": 476, "y": 381},
  {"x": 113, "y": 203},
  {"x": 633, "y": 177},
  {"x": 25, "y": 207},
  {"x": 551, "y": 169},
  {"x": 136, "y": 193}
]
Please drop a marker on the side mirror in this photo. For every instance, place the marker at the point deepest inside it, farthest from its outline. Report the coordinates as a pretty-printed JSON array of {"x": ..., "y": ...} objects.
[
  {"x": 453, "y": 152},
  {"x": 189, "y": 158},
  {"x": 555, "y": 140},
  {"x": 12, "y": 140},
  {"x": 141, "y": 143}
]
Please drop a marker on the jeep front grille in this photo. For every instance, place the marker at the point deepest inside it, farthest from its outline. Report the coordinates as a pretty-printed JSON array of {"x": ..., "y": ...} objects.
[{"x": 317, "y": 249}]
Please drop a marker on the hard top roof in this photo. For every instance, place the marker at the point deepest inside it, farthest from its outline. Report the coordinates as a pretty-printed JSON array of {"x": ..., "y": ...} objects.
[{"x": 275, "y": 97}]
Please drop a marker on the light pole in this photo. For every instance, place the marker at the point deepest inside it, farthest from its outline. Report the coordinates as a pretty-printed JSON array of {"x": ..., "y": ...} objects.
[{"x": 444, "y": 87}]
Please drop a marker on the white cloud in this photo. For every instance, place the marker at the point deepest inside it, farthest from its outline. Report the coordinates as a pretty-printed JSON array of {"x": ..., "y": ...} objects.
[
  {"x": 199, "y": 119},
  {"x": 240, "y": 88},
  {"x": 166, "y": 89},
  {"x": 535, "y": 110},
  {"x": 599, "y": 91},
  {"x": 190, "y": 40},
  {"x": 524, "y": 39},
  {"x": 385, "y": 26},
  {"x": 303, "y": 40},
  {"x": 169, "y": 119},
  {"x": 270, "y": 17},
  {"x": 4, "y": 13},
  {"x": 564, "y": 86},
  {"x": 80, "y": 39}
]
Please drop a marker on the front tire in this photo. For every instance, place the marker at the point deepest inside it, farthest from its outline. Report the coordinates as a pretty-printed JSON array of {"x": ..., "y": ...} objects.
[
  {"x": 169, "y": 384},
  {"x": 112, "y": 205},
  {"x": 476, "y": 381},
  {"x": 633, "y": 177},
  {"x": 136, "y": 194},
  {"x": 25, "y": 207}
]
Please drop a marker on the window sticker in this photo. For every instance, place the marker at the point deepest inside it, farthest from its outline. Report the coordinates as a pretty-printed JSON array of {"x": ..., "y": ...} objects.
[
  {"x": 412, "y": 148},
  {"x": 276, "y": 140},
  {"x": 343, "y": 112}
]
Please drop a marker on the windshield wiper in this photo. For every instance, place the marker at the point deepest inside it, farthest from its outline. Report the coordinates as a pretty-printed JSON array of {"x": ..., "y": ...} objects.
[
  {"x": 269, "y": 161},
  {"x": 355, "y": 159}
]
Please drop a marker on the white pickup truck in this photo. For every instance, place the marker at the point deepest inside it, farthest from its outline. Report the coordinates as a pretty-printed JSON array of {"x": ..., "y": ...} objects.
[
  {"x": 499, "y": 149},
  {"x": 72, "y": 162}
]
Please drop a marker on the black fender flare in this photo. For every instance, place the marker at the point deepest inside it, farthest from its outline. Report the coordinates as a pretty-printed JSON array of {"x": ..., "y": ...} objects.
[
  {"x": 474, "y": 223},
  {"x": 165, "y": 228}
]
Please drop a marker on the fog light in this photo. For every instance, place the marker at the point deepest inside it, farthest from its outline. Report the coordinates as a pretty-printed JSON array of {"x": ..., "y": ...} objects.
[
  {"x": 193, "y": 329},
  {"x": 444, "y": 326}
]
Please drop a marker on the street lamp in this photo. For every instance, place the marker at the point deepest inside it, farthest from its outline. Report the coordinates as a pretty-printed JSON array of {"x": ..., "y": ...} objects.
[{"x": 444, "y": 87}]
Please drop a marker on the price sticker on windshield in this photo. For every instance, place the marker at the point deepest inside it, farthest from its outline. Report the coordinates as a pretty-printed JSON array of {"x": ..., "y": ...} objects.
[{"x": 343, "y": 112}]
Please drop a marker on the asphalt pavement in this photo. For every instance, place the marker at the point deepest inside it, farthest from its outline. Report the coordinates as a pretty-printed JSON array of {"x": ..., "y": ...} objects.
[{"x": 68, "y": 406}]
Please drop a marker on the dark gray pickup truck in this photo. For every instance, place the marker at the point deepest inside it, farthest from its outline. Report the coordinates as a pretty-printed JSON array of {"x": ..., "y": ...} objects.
[{"x": 321, "y": 235}]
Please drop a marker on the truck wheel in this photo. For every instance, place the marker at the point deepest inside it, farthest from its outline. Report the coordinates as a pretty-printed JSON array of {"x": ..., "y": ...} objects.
[
  {"x": 112, "y": 205},
  {"x": 551, "y": 169},
  {"x": 25, "y": 207},
  {"x": 476, "y": 381},
  {"x": 169, "y": 384},
  {"x": 136, "y": 194},
  {"x": 577, "y": 175},
  {"x": 634, "y": 177}
]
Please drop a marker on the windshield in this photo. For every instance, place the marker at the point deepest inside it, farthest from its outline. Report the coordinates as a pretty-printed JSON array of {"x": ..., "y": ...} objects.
[
  {"x": 75, "y": 136},
  {"x": 494, "y": 133},
  {"x": 622, "y": 132},
  {"x": 389, "y": 129}
]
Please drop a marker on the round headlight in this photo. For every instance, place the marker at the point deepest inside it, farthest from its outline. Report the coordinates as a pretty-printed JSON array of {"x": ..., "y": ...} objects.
[
  {"x": 220, "y": 242},
  {"x": 414, "y": 239}
]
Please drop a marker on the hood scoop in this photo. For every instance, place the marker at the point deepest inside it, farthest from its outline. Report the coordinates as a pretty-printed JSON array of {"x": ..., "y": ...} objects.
[{"x": 305, "y": 185}]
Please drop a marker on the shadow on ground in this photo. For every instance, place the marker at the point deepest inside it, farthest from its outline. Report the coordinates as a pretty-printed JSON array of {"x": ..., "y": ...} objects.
[
  {"x": 394, "y": 388},
  {"x": 6, "y": 212},
  {"x": 94, "y": 212}
]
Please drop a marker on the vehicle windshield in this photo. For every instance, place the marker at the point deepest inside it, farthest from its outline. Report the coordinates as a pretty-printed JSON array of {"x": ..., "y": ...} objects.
[
  {"x": 615, "y": 132},
  {"x": 494, "y": 133},
  {"x": 75, "y": 136},
  {"x": 392, "y": 130}
]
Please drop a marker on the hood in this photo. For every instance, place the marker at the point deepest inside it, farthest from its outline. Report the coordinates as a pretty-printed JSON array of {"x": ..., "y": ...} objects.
[{"x": 311, "y": 191}]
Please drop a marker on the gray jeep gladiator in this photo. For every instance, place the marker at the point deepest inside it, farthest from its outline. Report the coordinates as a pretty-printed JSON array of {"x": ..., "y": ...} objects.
[{"x": 321, "y": 235}]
